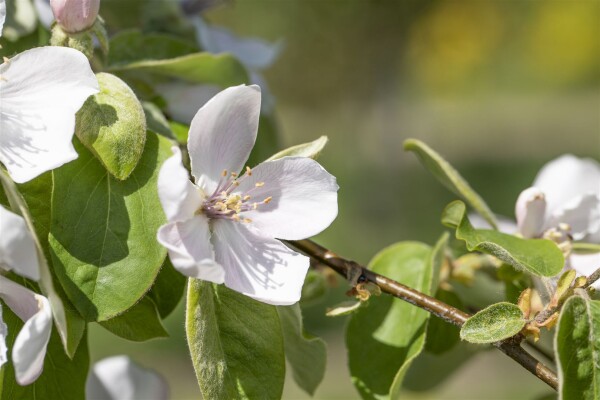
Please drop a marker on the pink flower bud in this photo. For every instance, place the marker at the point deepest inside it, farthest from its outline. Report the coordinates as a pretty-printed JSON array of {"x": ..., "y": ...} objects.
[{"x": 75, "y": 15}]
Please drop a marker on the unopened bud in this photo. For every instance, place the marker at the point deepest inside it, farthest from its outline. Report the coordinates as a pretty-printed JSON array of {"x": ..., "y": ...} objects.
[{"x": 75, "y": 15}]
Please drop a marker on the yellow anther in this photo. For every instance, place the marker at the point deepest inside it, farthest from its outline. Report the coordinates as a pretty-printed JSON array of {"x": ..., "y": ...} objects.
[
  {"x": 224, "y": 173},
  {"x": 235, "y": 217},
  {"x": 6, "y": 59},
  {"x": 246, "y": 198},
  {"x": 268, "y": 199},
  {"x": 247, "y": 220},
  {"x": 248, "y": 171},
  {"x": 259, "y": 184},
  {"x": 254, "y": 206},
  {"x": 564, "y": 227},
  {"x": 234, "y": 174},
  {"x": 235, "y": 183}
]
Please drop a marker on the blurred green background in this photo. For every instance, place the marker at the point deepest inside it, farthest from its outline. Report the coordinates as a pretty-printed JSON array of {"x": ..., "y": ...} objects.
[{"x": 498, "y": 87}]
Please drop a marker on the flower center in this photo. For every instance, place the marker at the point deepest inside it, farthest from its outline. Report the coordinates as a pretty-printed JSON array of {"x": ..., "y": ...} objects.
[{"x": 225, "y": 202}]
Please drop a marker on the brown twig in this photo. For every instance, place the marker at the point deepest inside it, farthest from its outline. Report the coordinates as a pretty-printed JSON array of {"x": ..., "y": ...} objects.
[
  {"x": 357, "y": 273},
  {"x": 592, "y": 278}
]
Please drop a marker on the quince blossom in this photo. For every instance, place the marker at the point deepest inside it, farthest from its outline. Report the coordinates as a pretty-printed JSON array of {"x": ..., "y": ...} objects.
[
  {"x": 18, "y": 253},
  {"x": 41, "y": 90},
  {"x": 223, "y": 227},
  {"x": 120, "y": 378},
  {"x": 2, "y": 15}
]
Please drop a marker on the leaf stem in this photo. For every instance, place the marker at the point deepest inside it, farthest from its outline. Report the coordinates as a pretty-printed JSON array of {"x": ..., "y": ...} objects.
[{"x": 355, "y": 272}]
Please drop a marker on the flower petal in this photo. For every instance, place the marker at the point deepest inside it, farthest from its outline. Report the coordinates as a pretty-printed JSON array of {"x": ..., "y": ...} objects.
[
  {"x": 119, "y": 378},
  {"x": 190, "y": 250},
  {"x": 184, "y": 99},
  {"x": 3, "y": 336},
  {"x": 581, "y": 213},
  {"x": 42, "y": 89},
  {"x": 2, "y": 15},
  {"x": 254, "y": 53},
  {"x": 303, "y": 197},
  {"x": 530, "y": 211},
  {"x": 259, "y": 267},
  {"x": 566, "y": 178},
  {"x": 585, "y": 265},
  {"x": 223, "y": 133},
  {"x": 29, "y": 348},
  {"x": 179, "y": 197},
  {"x": 17, "y": 248}
]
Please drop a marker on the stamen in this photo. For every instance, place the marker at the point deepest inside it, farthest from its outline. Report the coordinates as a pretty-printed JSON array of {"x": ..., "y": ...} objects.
[
  {"x": 259, "y": 184},
  {"x": 6, "y": 59},
  {"x": 224, "y": 173},
  {"x": 254, "y": 206},
  {"x": 248, "y": 171},
  {"x": 246, "y": 198},
  {"x": 268, "y": 199}
]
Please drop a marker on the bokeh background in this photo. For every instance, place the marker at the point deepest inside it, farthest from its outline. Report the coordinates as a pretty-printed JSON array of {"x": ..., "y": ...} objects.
[{"x": 498, "y": 87}]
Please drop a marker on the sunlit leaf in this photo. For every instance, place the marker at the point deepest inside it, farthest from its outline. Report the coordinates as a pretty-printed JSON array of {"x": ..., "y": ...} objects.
[
  {"x": 311, "y": 149},
  {"x": 236, "y": 343},
  {"x": 103, "y": 232},
  {"x": 450, "y": 178},
  {"x": 494, "y": 323},
  {"x": 538, "y": 256},
  {"x": 577, "y": 348}
]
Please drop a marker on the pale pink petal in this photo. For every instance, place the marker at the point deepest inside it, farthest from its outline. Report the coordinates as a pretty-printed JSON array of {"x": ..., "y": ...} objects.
[
  {"x": 259, "y": 267},
  {"x": 179, "y": 197},
  {"x": 190, "y": 250},
  {"x": 17, "y": 248},
  {"x": 303, "y": 198},
  {"x": 530, "y": 211},
  {"x": 184, "y": 99},
  {"x": 29, "y": 348},
  {"x": 585, "y": 265},
  {"x": 3, "y": 336},
  {"x": 582, "y": 214},
  {"x": 254, "y": 53},
  {"x": 2, "y": 15},
  {"x": 223, "y": 133},
  {"x": 42, "y": 89},
  {"x": 566, "y": 178},
  {"x": 120, "y": 378}
]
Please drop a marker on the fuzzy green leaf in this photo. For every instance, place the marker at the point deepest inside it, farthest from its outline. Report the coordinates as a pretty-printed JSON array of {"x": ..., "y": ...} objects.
[
  {"x": 538, "y": 256},
  {"x": 112, "y": 125},
  {"x": 311, "y": 149},
  {"x": 450, "y": 178},
  {"x": 168, "y": 289},
  {"x": 494, "y": 323},
  {"x": 306, "y": 354},
  {"x": 140, "y": 323},
  {"x": 442, "y": 336},
  {"x": 577, "y": 349},
  {"x": 236, "y": 344},
  {"x": 103, "y": 232},
  {"x": 386, "y": 334}
]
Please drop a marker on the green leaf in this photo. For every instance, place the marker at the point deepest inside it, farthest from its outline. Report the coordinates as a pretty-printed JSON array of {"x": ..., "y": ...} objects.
[
  {"x": 168, "y": 289},
  {"x": 306, "y": 354},
  {"x": 140, "y": 323},
  {"x": 386, "y": 335},
  {"x": 449, "y": 177},
  {"x": 494, "y": 323},
  {"x": 112, "y": 125},
  {"x": 156, "y": 121},
  {"x": 442, "y": 336},
  {"x": 132, "y": 45},
  {"x": 103, "y": 232},
  {"x": 314, "y": 288},
  {"x": 577, "y": 349},
  {"x": 180, "y": 131},
  {"x": 61, "y": 379},
  {"x": 586, "y": 248},
  {"x": 21, "y": 19},
  {"x": 38, "y": 195},
  {"x": 220, "y": 69},
  {"x": 311, "y": 149},
  {"x": 538, "y": 256},
  {"x": 236, "y": 343},
  {"x": 46, "y": 284}
]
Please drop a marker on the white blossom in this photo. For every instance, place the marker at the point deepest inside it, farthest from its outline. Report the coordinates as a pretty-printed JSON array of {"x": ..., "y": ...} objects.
[
  {"x": 2, "y": 15},
  {"x": 41, "y": 90},
  {"x": 120, "y": 378},
  {"x": 18, "y": 253},
  {"x": 224, "y": 227}
]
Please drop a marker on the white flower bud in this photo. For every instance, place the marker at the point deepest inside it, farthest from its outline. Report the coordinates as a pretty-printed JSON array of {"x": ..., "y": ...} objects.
[
  {"x": 530, "y": 211},
  {"x": 75, "y": 15}
]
